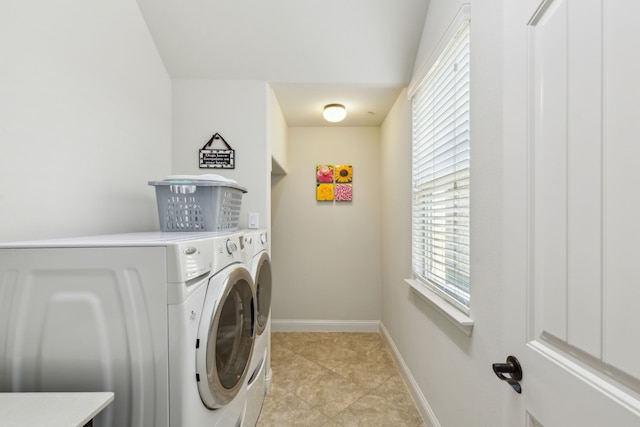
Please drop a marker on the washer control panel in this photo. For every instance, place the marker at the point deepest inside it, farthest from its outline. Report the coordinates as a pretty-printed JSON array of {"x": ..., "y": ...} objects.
[
  {"x": 231, "y": 246},
  {"x": 188, "y": 260},
  {"x": 227, "y": 250}
]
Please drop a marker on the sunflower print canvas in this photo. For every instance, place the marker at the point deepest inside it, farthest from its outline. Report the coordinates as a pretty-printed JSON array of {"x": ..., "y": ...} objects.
[{"x": 344, "y": 173}]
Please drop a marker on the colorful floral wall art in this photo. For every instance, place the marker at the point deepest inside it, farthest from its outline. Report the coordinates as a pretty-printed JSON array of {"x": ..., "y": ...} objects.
[
  {"x": 324, "y": 173},
  {"x": 344, "y": 173},
  {"x": 343, "y": 193},
  {"x": 334, "y": 182},
  {"x": 324, "y": 192},
  {"x": 324, "y": 182}
]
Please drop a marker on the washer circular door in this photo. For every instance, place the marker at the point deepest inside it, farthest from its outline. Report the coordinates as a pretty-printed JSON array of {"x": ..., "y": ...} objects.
[
  {"x": 262, "y": 276},
  {"x": 225, "y": 336}
]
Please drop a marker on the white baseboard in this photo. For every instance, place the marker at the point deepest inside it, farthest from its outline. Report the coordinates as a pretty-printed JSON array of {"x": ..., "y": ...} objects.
[
  {"x": 428, "y": 416},
  {"x": 295, "y": 325}
]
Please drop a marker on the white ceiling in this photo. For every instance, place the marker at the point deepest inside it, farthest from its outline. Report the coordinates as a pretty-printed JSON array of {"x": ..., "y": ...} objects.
[{"x": 313, "y": 52}]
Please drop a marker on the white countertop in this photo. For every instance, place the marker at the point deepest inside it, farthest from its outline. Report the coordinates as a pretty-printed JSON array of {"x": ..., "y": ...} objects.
[{"x": 51, "y": 409}]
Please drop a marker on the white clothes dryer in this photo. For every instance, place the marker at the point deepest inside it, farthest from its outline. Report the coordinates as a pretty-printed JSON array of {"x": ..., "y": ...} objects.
[
  {"x": 116, "y": 313},
  {"x": 256, "y": 248}
]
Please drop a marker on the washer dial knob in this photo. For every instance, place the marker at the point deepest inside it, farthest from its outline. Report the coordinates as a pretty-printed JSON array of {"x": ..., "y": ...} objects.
[{"x": 231, "y": 246}]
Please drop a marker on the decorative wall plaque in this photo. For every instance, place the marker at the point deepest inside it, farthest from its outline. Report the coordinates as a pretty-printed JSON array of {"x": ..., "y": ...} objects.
[{"x": 217, "y": 158}]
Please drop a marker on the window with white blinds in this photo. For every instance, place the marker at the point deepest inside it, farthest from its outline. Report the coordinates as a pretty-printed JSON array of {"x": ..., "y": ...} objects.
[{"x": 441, "y": 147}]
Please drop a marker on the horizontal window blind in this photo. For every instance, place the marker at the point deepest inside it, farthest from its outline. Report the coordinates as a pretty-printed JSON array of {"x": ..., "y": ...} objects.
[{"x": 441, "y": 156}]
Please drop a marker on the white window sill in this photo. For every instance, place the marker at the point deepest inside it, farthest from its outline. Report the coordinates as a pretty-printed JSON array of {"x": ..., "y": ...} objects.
[{"x": 455, "y": 316}]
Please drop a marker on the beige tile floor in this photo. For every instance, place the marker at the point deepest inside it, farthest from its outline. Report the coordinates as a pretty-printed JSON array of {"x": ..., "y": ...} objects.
[{"x": 335, "y": 379}]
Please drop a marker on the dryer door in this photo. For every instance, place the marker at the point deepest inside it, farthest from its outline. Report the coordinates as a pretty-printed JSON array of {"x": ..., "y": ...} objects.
[
  {"x": 225, "y": 336},
  {"x": 262, "y": 275}
]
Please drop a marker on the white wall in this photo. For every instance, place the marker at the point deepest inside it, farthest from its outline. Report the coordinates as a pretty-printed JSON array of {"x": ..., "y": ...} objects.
[
  {"x": 85, "y": 119},
  {"x": 326, "y": 255},
  {"x": 237, "y": 110},
  {"x": 277, "y": 135},
  {"x": 452, "y": 371}
]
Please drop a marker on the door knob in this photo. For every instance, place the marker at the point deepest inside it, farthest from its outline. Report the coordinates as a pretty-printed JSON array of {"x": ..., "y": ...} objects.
[{"x": 513, "y": 369}]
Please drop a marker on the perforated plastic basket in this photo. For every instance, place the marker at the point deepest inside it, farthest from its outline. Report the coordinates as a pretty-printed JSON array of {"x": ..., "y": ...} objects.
[{"x": 185, "y": 205}]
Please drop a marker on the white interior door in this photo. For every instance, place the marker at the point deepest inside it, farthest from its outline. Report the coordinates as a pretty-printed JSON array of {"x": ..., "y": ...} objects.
[{"x": 572, "y": 245}]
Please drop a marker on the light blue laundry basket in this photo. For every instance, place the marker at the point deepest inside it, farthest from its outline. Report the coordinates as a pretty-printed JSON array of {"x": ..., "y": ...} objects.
[{"x": 192, "y": 205}]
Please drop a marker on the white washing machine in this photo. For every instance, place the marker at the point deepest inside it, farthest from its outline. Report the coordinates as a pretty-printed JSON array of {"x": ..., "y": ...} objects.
[
  {"x": 164, "y": 320},
  {"x": 256, "y": 248}
]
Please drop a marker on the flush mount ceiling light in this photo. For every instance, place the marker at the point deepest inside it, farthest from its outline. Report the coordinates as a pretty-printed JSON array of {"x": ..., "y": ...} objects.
[{"x": 334, "y": 112}]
